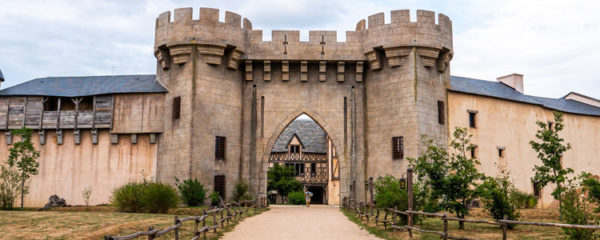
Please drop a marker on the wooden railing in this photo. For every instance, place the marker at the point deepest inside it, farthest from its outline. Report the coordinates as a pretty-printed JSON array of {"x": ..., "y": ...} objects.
[
  {"x": 367, "y": 211},
  {"x": 220, "y": 216}
]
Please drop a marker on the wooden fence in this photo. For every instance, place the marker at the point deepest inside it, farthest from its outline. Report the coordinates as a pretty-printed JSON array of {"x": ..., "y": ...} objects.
[
  {"x": 220, "y": 217},
  {"x": 367, "y": 211}
]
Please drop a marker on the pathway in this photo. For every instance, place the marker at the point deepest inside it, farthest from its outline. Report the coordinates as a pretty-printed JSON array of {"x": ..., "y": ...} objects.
[{"x": 299, "y": 222}]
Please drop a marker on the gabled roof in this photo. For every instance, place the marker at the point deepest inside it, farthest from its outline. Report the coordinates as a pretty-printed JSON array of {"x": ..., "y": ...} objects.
[
  {"x": 85, "y": 86},
  {"x": 310, "y": 134},
  {"x": 498, "y": 90}
]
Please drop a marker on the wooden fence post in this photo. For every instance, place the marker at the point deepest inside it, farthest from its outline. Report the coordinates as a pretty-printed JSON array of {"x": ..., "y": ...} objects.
[
  {"x": 445, "y": 227},
  {"x": 150, "y": 236},
  {"x": 196, "y": 222},
  {"x": 204, "y": 223},
  {"x": 385, "y": 219},
  {"x": 176, "y": 231},
  {"x": 410, "y": 200},
  {"x": 504, "y": 229},
  {"x": 215, "y": 223},
  {"x": 222, "y": 221}
]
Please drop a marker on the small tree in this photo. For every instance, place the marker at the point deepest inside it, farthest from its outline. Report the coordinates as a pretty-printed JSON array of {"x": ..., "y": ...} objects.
[
  {"x": 550, "y": 149},
  {"x": 499, "y": 197},
  {"x": 23, "y": 156},
  {"x": 452, "y": 177},
  {"x": 576, "y": 209},
  {"x": 10, "y": 185},
  {"x": 283, "y": 180},
  {"x": 86, "y": 194}
]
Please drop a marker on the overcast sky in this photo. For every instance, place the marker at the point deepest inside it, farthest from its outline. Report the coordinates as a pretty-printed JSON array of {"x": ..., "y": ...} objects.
[{"x": 555, "y": 44}]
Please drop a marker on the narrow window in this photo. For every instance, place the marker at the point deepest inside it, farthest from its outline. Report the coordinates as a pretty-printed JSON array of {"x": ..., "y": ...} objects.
[
  {"x": 536, "y": 189},
  {"x": 219, "y": 185},
  {"x": 441, "y": 112},
  {"x": 472, "y": 119},
  {"x": 313, "y": 168},
  {"x": 176, "y": 107},
  {"x": 220, "y": 148},
  {"x": 295, "y": 149},
  {"x": 500, "y": 151},
  {"x": 474, "y": 152},
  {"x": 550, "y": 125},
  {"x": 397, "y": 147}
]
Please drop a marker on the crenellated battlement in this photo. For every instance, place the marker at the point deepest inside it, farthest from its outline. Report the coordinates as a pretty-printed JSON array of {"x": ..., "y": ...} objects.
[{"x": 214, "y": 39}]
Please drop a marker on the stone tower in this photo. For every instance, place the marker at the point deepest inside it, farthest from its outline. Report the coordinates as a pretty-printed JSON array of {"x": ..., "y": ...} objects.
[{"x": 383, "y": 81}]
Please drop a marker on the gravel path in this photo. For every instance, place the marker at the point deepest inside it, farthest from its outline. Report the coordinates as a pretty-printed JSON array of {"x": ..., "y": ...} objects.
[{"x": 299, "y": 222}]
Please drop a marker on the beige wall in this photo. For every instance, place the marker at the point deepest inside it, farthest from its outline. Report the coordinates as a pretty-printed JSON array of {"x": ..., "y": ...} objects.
[
  {"x": 512, "y": 125},
  {"x": 67, "y": 169}
]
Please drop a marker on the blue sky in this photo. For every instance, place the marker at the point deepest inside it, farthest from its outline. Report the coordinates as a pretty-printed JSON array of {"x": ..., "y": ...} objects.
[{"x": 553, "y": 43}]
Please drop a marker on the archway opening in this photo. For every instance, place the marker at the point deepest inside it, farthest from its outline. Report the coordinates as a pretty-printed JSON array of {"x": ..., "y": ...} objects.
[{"x": 307, "y": 152}]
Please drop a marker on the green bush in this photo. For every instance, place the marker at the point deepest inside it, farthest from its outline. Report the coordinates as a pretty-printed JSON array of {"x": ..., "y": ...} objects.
[
  {"x": 575, "y": 210},
  {"x": 145, "y": 196},
  {"x": 192, "y": 192},
  {"x": 241, "y": 192},
  {"x": 497, "y": 195},
  {"x": 389, "y": 195},
  {"x": 10, "y": 185},
  {"x": 524, "y": 200},
  {"x": 296, "y": 198},
  {"x": 215, "y": 199}
]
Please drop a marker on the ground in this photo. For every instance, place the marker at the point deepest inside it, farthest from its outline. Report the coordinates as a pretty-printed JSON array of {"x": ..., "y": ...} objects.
[
  {"x": 95, "y": 223},
  {"x": 299, "y": 222}
]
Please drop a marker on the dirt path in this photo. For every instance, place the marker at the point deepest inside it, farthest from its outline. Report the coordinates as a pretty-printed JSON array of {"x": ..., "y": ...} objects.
[{"x": 299, "y": 222}]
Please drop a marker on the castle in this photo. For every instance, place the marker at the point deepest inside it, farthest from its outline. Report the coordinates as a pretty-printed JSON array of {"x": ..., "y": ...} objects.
[{"x": 222, "y": 96}]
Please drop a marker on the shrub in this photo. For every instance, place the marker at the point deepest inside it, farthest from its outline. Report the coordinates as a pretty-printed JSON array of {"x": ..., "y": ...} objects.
[
  {"x": 524, "y": 200},
  {"x": 296, "y": 198},
  {"x": 241, "y": 192},
  {"x": 10, "y": 185},
  {"x": 388, "y": 193},
  {"x": 498, "y": 199},
  {"x": 575, "y": 210},
  {"x": 145, "y": 196},
  {"x": 215, "y": 199},
  {"x": 192, "y": 192}
]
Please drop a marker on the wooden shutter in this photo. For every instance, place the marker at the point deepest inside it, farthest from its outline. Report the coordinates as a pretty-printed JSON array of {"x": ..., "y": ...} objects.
[
  {"x": 441, "y": 112},
  {"x": 397, "y": 147},
  {"x": 220, "y": 148},
  {"x": 176, "y": 107},
  {"x": 219, "y": 185}
]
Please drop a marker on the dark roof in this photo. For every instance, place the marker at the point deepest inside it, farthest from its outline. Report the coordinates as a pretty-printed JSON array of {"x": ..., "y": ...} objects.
[
  {"x": 311, "y": 135},
  {"x": 85, "y": 86},
  {"x": 499, "y": 90}
]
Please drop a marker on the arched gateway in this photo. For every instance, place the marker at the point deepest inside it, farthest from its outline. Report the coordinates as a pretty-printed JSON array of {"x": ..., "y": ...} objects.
[{"x": 373, "y": 94}]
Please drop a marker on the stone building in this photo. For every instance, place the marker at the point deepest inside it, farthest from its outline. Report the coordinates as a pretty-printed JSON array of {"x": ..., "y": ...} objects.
[{"x": 222, "y": 96}]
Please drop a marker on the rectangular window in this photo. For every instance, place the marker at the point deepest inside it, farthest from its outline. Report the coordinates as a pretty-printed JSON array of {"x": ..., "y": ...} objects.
[
  {"x": 220, "y": 148},
  {"x": 176, "y": 107},
  {"x": 441, "y": 112},
  {"x": 537, "y": 189},
  {"x": 550, "y": 125},
  {"x": 294, "y": 149},
  {"x": 500, "y": 151},
  {"x": 313, "y": 168},
  {"x": 474, "y": 152},
  {"x": 397, "y": 147},
  {"x": 472, "y": 119},
  {"x": 219, "y": 185}
]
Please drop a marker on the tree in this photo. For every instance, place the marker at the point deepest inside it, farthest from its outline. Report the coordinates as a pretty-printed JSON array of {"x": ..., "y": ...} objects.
[
  {"x": 550, "y": 150},
  {"x": 282, "y": 179},
  {"x": 499, "y": 197},
  {"x": 23, "y": 156},
  {"x": 449, "y": 178},
  {"x": 10, "y": 185}
]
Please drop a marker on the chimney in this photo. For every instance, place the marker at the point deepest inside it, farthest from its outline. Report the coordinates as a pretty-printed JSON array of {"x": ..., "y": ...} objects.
[{"x": 514, "y": 81}]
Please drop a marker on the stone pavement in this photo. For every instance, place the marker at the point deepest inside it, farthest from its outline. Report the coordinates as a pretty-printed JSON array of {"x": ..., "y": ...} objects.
[{"x": 299, "y": 222}]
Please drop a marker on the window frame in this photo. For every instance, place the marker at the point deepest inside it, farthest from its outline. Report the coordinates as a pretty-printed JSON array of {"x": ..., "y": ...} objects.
[
  {"x": 176, "y": 108},
  {"x": 220, "y": 147},
  {"x": 398, "y": 147},
  {"x": 222, "y": 192},
  {"x": 441, "y": 112},
  {"x": 472, "y": 118}
]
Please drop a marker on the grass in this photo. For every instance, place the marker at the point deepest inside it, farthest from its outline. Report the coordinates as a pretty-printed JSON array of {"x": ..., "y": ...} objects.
[
  {"x": 96, "y": 222},
  {"x": 472, "y": 230}
]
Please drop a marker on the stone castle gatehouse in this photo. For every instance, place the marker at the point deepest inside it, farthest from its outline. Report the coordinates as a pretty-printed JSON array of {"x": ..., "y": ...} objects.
[{"x": 222, "y": 96}]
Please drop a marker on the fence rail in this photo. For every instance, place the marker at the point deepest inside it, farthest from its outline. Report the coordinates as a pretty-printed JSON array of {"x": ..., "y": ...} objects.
[
  {"x": 391, "y": 216},
  {"x": 221, "y": 216}
]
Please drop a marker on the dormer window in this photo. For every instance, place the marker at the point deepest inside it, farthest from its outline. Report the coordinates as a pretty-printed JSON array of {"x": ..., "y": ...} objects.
[{"x": 294, "y": 148}]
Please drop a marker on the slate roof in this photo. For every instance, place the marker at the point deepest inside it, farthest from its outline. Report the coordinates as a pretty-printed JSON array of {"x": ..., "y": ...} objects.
[
  {"x": 499, "y": 90},
  {"x": 312, "y": 136},
  {"x": 85, "y": 86}
]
